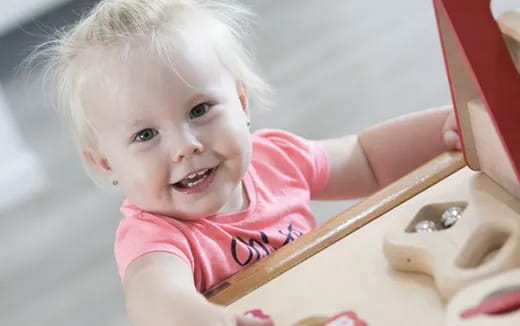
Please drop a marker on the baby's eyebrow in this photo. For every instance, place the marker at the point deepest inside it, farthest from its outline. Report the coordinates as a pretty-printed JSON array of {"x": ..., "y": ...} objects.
[
  {"x": 195, "y": 98},
  {"x": 137, "y": 123}
]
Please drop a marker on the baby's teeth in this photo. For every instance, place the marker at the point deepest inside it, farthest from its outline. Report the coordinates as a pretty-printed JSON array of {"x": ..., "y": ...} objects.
[
  {"x": 191, "y": 184},
  {"x": 193, "y": 175}
]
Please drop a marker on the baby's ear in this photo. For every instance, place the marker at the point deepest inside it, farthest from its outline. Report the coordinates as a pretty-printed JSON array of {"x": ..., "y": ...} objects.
[{"x": 243, "y": 96}]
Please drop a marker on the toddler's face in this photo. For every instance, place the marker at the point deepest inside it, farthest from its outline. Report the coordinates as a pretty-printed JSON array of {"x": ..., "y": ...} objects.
[{"x": 177, "y": 142}]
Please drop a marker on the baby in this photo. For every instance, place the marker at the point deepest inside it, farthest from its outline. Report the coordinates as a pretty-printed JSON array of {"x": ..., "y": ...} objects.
[{"x": 158, "y": 95}]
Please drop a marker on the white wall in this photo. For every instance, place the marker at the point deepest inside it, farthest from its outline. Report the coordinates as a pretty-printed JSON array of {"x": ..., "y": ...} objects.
[
  {"x": 21, "y": 175},
  {"x": 498, "y": 7},
  {"x": 14, "y": 13}
]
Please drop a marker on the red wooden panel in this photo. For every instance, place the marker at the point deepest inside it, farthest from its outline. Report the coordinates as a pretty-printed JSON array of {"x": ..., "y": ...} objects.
[{"x": 473, "y": 46}]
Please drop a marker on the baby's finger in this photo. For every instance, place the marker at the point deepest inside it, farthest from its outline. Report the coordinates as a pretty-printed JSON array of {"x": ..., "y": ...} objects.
[
  {"x": 452, "y": 140},
  {"x": 450, "y": 123}
]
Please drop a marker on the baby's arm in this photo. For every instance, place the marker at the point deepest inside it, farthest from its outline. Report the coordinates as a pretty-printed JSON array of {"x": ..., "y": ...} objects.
[
  {"x": 361, "y": 164},
  {"x": 398, "y": 146},
  {"x": 159, "y": 291}
]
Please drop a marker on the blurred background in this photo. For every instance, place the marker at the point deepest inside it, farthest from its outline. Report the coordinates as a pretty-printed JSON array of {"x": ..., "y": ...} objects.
[{"x": 337, "y": 67}]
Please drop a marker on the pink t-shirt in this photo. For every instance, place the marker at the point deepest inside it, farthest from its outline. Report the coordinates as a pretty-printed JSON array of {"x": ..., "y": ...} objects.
[{"x": 286, "y": 171}]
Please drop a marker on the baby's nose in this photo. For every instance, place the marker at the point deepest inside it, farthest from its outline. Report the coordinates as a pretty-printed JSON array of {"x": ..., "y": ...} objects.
[{"x": 186, "y": 145}]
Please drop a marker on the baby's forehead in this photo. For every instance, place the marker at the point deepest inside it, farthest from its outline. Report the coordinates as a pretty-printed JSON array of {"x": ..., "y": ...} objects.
[
  {"x": 194, "y": 61},
  {"x": 129, "y": 74}
]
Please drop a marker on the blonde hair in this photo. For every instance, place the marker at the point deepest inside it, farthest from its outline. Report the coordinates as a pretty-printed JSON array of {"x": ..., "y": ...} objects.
[{"x": 122, "y": 23}]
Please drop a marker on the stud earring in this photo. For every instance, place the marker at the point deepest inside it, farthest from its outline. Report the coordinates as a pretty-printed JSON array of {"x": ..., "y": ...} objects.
[{"x": 115, "y": 182}]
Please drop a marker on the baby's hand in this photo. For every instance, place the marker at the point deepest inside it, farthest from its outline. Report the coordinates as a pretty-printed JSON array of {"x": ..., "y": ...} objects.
[{"x": 450, "y": 133}]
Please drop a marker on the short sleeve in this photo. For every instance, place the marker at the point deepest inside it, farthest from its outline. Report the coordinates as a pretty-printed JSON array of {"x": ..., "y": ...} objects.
[
  {"x": 309, "y": 156},
  {"x": 141, "y": 234}
]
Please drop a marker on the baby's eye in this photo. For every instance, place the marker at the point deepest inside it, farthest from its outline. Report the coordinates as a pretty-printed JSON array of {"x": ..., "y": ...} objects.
[
  {"x": 145, "y": 135},
  {"x": 199, "y": 110}
]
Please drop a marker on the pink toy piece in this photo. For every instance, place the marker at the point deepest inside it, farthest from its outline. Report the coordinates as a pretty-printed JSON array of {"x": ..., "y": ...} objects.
[
  {"x": 503, "y": 304},
  {"x": 257, "y": 313},
  {"x": 345, "y": 318}
]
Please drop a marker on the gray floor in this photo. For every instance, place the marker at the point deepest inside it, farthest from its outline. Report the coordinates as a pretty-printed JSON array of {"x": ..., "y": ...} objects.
[{"x": 337, "y": 67}]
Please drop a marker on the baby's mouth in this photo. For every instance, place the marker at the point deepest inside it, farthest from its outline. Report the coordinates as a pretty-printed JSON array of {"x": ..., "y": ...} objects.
[{"x": 193, "y": 179}]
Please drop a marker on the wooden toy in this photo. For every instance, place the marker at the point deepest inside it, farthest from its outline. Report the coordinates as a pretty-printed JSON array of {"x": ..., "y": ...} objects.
[{"x": 484, "y": 242}]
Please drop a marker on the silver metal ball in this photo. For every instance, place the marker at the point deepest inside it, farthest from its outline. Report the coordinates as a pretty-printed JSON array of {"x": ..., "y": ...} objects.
[
  {"x": 451, "y": 216},
  {"x": 425, "y": 226}
]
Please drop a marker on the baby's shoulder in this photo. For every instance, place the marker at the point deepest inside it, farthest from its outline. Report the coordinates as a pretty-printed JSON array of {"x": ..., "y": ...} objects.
[
  {"x": 274, "y": 136},
  {"x": 272, "y": 146},
  {"x": 279, "y": 146},
  {"x": 277, "y": 141}
]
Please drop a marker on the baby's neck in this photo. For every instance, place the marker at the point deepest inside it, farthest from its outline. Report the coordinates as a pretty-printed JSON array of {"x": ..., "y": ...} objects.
[{"x": 239, "y": 201}]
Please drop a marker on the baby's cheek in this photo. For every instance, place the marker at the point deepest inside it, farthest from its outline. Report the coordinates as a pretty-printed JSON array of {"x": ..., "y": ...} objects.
[
  {"x": 247, "y": 150},
  {"x": 226, "y": 139},
  {"x": 241, "y": 147},
  {"x": 144, "y": 173},
  {"x": 147, "y": 188}
]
